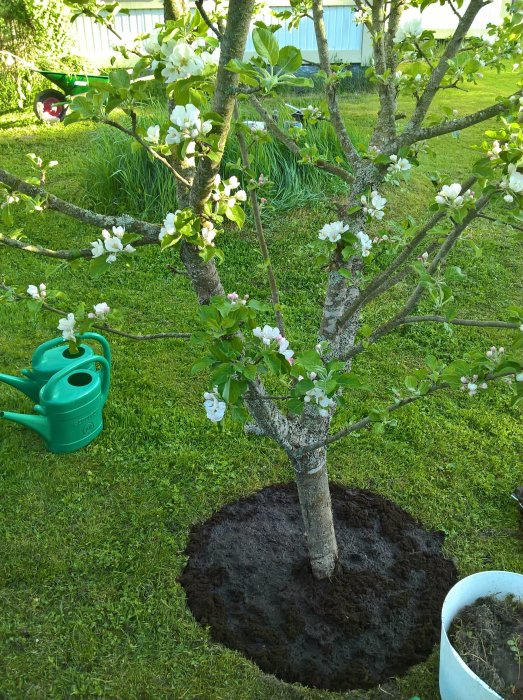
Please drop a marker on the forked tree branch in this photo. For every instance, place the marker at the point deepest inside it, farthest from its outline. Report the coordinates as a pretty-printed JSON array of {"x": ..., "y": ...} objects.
[
  {"x": 379, "y": 284},
  {"x": 439, "y": 72}
]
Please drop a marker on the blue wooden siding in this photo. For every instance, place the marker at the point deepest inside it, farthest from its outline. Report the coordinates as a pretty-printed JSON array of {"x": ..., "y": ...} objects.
[{"x": 343, "y": 34}]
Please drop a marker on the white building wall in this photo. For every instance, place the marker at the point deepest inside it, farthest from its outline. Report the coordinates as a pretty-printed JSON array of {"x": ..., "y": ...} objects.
[{"x": 347, "y": 40}]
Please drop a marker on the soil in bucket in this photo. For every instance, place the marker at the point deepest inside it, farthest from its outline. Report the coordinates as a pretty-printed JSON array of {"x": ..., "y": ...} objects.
[
  {"x": 249, "y": 579},
  {"x": 488, "y": 635}
]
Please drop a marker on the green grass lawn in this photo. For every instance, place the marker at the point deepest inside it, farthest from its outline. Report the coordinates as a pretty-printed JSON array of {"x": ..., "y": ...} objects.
[{"x": 92, "y": 542}]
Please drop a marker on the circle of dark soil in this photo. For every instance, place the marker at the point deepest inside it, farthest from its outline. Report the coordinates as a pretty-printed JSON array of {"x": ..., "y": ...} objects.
[{"x": 248, "y": 577}]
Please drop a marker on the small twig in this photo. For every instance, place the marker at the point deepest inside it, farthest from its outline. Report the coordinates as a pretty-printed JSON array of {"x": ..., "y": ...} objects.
[
  {"x": 207, "y": 19},
  {"x": 149, "y": 150},
  {"x": 104, "y": 326},
  {"x": 258, "y": 226}
]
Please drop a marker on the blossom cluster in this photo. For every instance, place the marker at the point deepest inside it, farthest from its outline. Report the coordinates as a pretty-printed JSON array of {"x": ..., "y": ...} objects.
[
  {"x": 214, "y": 405},
  {"x": 450, "y": 196},
  {"x": 235, "y": 300},
  {"x": 225, "y": 191},
  {"x": 111, "y": 244},
  {"x": 101, "y": 311},
  {"x": 188, "y": 125},
  {"x": 374, "y": 205},
  {"x": 67, "y": 326},
  {"x": 268, "y": 335},
  {"x": 398, "y": 167},
  {"x": 333, "y": 231},
  {"x": 318, "y": 397},
  {"x": 471, "y": 385},
  {"x": 169, "y": 225},
  {"x": 512, "y": 183},
  {"x": 410, "y": 30},
  {"x": 37, "y": 293}
]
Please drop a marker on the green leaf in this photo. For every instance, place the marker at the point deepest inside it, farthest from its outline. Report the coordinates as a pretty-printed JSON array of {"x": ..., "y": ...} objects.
[
  {"x": 289, "y": 59},
  {"x": 266, "y": 45},
  {"x": 98, "y": 266},
  {"x": 201, "y": 364},
  {"x": 236, "y": 214},
  {"x": 120, "y": 79},
  {"x": 310, "y": 360}
]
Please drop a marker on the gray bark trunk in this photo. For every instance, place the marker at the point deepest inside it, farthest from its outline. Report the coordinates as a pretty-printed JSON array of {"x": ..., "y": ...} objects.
[{"x": 316, "y": 509}]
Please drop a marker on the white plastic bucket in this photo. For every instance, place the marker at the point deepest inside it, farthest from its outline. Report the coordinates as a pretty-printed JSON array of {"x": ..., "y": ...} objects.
[{"x": 456, "y": 680}]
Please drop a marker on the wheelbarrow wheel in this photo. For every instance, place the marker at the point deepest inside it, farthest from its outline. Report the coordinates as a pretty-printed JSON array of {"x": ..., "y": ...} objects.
[{"x": 47, "y": 107}]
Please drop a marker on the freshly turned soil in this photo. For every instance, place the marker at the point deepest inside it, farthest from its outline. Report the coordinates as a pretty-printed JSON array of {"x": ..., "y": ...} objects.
[
  {"x": 480, "y": 634},
  {"x": 248, "y": 577}
]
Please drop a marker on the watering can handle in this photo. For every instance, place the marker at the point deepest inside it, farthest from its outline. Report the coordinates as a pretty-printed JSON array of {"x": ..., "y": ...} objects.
[
  {"x": 41, "y": 349},
  {"x": 75, "y": 366},
  {"x": 103, "y": 342}
]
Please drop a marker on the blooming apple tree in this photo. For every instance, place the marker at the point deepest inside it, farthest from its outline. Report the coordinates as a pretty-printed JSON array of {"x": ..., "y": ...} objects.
[{"x": 198, "y": 59}]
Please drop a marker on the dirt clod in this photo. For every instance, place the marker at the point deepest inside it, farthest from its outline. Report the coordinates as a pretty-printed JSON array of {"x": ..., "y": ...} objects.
[{"x": 249, "y": 579}]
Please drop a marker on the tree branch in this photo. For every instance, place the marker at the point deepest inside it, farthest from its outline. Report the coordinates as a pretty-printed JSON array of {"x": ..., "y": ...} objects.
[
  {"x": 438, "y": 73},
  {"x": 330, "y": 87},
  {"x": 149, "y": 231},
  {"x": 459, "y": 322},
  {"x": 293, "y": 146},
  {"x": 151, "y": 151},
  {"x": 105, "y": 326},
  {"x": 366, "y": 422},
  {"x": 414, "y": 298},
  {"x": 258, "y": 226},
  {"x": 47, "y": 252},
  {"x": 456, "y": 124}
]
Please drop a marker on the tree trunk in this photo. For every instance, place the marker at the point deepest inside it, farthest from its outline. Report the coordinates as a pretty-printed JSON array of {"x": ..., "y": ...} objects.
[{"x": 316, "y": 508}]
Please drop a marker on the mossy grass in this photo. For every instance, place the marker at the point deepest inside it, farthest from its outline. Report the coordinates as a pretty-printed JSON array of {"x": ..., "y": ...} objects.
[{"x": 93, "y": 542}]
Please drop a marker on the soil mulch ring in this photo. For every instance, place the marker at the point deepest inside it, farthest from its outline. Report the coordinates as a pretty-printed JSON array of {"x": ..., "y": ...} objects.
[
  {"x": 249, "y": 579},
  {"x": 488, "y": 635}
]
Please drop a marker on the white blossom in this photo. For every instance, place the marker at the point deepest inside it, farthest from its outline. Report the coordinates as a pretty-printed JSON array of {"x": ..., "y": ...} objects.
[
  {"x": 494, "y": 151},
  {"x": 97, "y": 248},
  {"x": 187, "y": 124},
  {"x": 168, "y": 225},
  {"x": 241, "y": 195},
  {"x": 374, "y": 206},
  {"x": 513, "y": 182},
  {"x": 519, "y": 377},
  {"x": 208, "y": 233},
  {"x": 399, "y": 164},
  {"x": 470, "y": 384},
  {"x": 66, "y": 325},
  {"x": 409, "y": 30},
  {"x": 235, "y": 300},
  {"x": 450, "y": 196},
  {"x": 495, "y": 353},
  {"x": 153, "y": 134},
  {"x": 284, "y": 349},
  {"x": 366, "y": 243},
  {"x": 101, "y": 311},
  {"x": 182, "y": 62},
  {"x": 214, "y": 406},
  {"x": 333, "y": 231},
  {"x": 362, "y": 16},
  {"x": 267, "y": 334},
  {"x": 318, "y": 396},
  {"x": 37, "y": 293}
]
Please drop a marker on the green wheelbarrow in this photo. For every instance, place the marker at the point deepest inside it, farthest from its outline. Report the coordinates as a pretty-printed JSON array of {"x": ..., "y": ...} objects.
[{"x": 49, "y": 105}]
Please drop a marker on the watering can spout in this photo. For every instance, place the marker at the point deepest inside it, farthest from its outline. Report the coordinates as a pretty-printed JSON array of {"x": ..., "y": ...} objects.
[
  {"x": 26, "y": 386},
  {"x": 39, "y": 424}
]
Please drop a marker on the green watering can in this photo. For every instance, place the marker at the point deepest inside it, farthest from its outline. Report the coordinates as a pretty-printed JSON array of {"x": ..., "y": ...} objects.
[
  {"x": 70, "y": 405},
  {"x": 49, "y": 358}
]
